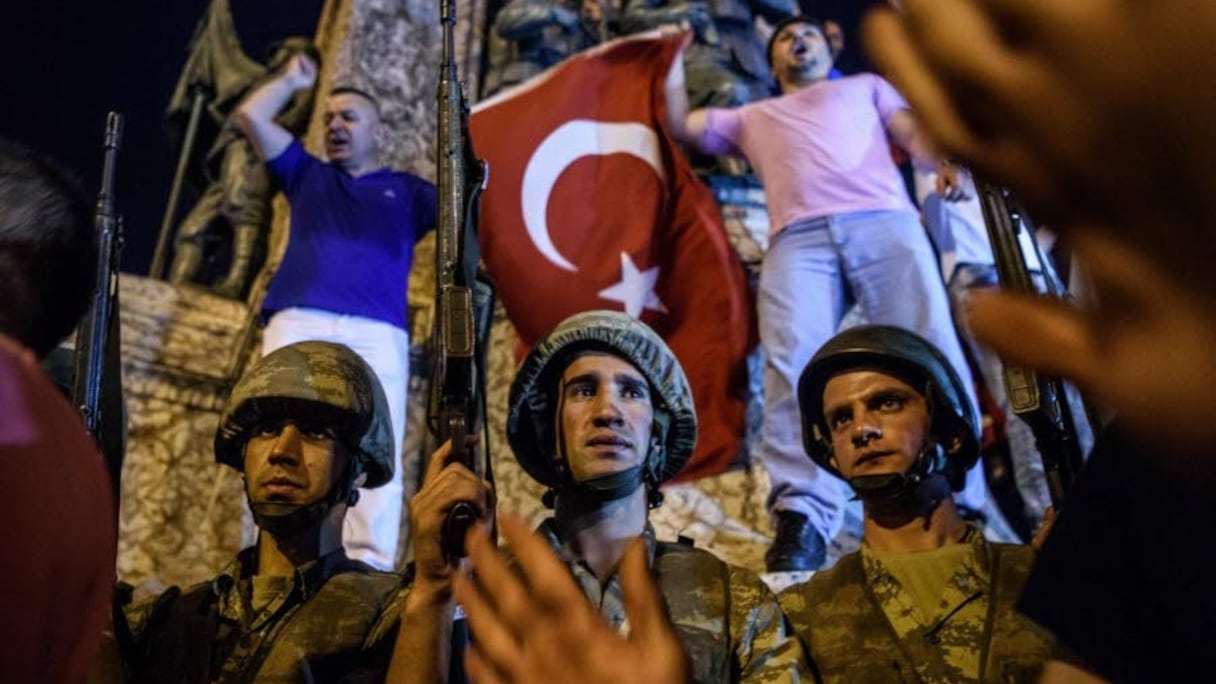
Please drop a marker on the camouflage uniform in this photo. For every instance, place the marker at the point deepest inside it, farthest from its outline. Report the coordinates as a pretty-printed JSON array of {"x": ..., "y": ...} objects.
[
  {"x": 314, "y": 625},
  {"x": 729, "y": 622},
  {"x": 316, "y": 630},
  {"x": 860, "y": 625}
]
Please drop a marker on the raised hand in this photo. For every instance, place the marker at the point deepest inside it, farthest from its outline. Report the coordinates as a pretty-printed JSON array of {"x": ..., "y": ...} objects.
[
  {"x": 1089, "y": 109},
  {"x": 536, "y": 626},
  {"x": 443, "y": 486},
  {"x": 300, "y": 72}
]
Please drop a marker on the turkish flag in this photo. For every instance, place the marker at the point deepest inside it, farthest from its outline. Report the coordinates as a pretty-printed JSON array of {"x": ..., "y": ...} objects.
[{"x": 591, "y": 205}]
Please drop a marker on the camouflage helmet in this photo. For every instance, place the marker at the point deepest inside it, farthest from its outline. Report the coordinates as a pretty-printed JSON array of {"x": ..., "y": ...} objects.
[
  {"x": 317, "y": 381},
  {"x": 533, "y": 398},
  {"x": 909, "y": 357}
]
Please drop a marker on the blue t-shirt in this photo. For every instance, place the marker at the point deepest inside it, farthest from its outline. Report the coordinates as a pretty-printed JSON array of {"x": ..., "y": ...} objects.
[{"x": 352, "y": 239}]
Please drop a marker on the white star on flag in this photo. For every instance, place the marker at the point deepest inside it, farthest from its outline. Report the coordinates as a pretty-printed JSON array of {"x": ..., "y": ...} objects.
[{"x": 636, "y": 289}]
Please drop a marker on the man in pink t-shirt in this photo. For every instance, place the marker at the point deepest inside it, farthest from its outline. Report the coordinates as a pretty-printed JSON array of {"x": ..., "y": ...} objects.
[{"x": 842, "y": 229}]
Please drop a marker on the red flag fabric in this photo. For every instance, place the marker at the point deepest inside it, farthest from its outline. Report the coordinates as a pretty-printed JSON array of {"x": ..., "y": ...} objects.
[{"x": 591, "y": 205}]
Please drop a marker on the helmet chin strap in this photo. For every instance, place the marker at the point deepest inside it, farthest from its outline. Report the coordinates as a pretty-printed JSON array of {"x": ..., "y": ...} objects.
[
  {"x": 915, "y": 487},
  {"x": 600, "y": 489},
  {"x": 612, "y": 487},
  {"x": 286, "y": 520}
]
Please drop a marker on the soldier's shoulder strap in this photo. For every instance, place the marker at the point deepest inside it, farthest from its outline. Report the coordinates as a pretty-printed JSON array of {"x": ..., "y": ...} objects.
[
  {"x": 1009, "y": 566},
  {"x": 696, "y": 586},
  {"x": 682, "y": 569},
  {"x": 1016, "y": 647}
]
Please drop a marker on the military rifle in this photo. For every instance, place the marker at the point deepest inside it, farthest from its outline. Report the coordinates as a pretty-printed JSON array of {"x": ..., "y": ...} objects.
[
  {"x": 92, "y": 339},
  {"x": 1038, "y": 399},
  {"x": 456, "y": 401}
]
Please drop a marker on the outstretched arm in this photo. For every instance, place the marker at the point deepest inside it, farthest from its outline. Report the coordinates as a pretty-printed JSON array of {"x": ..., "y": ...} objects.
[
  {"x": 906, "y": 132},
  {"x": 255, "y": 116},
  {"x": 952, "y": 182},
  {"x": 687, "y": 127}
]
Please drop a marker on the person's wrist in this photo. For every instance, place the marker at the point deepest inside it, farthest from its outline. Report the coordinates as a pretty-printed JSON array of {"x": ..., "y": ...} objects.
[{"x": 429, "y": 594}]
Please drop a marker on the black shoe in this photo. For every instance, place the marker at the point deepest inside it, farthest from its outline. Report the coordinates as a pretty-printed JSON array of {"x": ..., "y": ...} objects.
[{"x": 798, "y": 546}]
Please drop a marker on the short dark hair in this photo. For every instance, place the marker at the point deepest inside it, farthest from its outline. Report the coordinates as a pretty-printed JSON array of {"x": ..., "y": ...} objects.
[
  {"x": 352, "y": 90},
  {"x": 789, "y": 21},
  {"x": 48, "y": 250}
]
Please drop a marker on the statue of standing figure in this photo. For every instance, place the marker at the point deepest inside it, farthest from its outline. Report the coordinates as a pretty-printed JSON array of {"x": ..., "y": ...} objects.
[
  {"x": 530, "y": 36},
  {"x": 726, "y": 65},
  {"x": 236, "y": 199}
]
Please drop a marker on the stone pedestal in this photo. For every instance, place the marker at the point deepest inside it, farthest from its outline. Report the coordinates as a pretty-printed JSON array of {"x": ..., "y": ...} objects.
[{"x": 180, "y": 517}]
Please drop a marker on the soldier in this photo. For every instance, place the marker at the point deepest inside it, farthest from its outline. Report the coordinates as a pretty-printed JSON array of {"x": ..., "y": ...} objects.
[
  {"x": 601, "y": 414},
  {"x": 725, "y": 65},
  {"x": 1144, "y": 498},
  {"x": 306, "y": 426},
  {"x": 343, "y": 277},
  {"x": 540, "y": 33},
  {"x": 926, "y": 598}
]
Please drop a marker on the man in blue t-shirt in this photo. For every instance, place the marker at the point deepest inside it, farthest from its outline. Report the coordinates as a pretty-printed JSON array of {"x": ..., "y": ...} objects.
[{"x": 344, "y": 276}]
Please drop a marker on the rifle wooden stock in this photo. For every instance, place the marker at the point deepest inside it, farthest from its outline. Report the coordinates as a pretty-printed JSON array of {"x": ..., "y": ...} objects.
[{"x": 1036, "y": 398}]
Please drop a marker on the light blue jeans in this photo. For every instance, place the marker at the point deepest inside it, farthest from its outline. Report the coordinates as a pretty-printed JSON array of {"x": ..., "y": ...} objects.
[{"x": 811, "y": 270}]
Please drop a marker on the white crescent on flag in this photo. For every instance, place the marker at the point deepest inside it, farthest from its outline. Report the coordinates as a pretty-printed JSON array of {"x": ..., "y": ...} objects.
[
  {"x": 573, "y": 221},
  {"x": 567, "y": 144}
]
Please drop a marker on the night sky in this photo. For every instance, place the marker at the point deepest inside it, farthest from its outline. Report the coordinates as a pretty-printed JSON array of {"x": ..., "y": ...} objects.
[{"x": 66, "y": 63}]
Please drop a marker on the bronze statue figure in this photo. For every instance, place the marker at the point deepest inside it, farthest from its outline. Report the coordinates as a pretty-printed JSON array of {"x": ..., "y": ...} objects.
[{"x": 236, "y": 199}]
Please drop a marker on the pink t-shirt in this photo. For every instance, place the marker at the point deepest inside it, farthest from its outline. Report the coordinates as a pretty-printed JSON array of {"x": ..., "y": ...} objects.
[{"x": 819, "y": 151}]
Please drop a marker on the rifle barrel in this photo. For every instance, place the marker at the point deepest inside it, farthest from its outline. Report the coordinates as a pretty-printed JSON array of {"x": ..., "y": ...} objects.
[{"x": 93, "y": 331}]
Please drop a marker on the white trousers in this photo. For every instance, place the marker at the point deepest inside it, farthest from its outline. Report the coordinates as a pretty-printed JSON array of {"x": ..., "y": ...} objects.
[{"x": 374, "y": 524}]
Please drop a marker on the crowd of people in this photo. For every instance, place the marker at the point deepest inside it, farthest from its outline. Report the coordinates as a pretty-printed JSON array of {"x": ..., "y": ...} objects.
[{"x": 1054, "y": 102}]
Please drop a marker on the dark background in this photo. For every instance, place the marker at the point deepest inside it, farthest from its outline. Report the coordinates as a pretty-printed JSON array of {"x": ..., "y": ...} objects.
[{"x": 66, "y": 63}]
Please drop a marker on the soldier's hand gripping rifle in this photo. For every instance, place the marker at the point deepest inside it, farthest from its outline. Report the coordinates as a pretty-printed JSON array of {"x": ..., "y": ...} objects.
[
  {"x": 93, "y": 336},
  {"x": 455, "y": 402},
  {"x": 1038, "y": 399}
]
